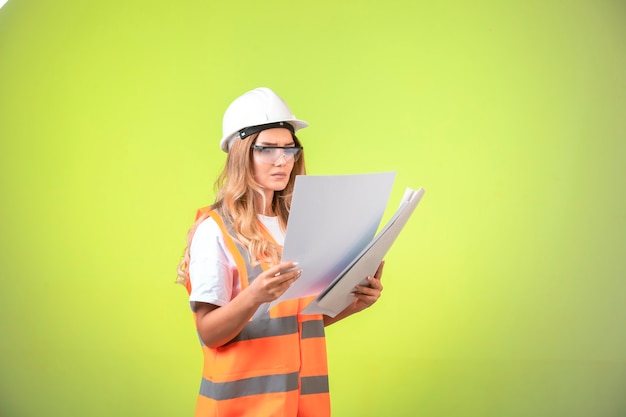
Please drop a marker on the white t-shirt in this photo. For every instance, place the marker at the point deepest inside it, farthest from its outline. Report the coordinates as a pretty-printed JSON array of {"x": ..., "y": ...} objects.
[{"x": 212, "y": 269}]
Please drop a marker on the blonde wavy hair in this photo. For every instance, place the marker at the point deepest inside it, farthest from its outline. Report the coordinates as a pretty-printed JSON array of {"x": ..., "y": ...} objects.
[{"x": 237, "y": 200}]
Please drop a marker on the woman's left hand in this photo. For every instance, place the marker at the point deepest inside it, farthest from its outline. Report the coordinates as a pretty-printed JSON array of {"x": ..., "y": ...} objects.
[{"x": 365, "y": 296}]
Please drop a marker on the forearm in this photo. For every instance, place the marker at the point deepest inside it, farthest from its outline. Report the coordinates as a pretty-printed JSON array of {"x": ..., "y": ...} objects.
[
  {"x": 222, "y": 324},
  {"x": 219, "y": 325}
]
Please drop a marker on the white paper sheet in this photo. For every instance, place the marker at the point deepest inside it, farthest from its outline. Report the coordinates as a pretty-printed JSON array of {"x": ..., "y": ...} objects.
[
  {"x": 332, "y": 219},
  {"x": 338, "y": 295}
]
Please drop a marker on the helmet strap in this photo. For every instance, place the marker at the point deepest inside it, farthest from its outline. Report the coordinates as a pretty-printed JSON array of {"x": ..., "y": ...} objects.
[{"x": 251, "y": 130}]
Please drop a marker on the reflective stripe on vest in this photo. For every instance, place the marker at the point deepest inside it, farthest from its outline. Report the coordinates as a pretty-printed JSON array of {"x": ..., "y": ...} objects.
[
  {"x": 275, "y": 366},
  {"x": 314, "y": 385},
  {"x": 312, "y": 329},
  {"x": 249, "y": 386}
]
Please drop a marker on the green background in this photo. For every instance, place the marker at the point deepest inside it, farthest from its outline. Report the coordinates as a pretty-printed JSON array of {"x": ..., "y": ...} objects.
[{"x": 504, "y": 296}]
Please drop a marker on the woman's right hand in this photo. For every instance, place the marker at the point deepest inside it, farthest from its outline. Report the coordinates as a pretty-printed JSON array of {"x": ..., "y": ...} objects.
[
  {"x": 217, "y": 325},
  {"x": 272, "y": 283}
]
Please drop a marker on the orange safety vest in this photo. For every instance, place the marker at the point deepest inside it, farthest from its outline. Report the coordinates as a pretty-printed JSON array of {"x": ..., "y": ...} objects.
[{"x": 276, "y": 366}]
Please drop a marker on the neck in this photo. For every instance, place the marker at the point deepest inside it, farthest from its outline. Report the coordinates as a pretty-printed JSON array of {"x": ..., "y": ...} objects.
[{"x": 267, "y": 207}]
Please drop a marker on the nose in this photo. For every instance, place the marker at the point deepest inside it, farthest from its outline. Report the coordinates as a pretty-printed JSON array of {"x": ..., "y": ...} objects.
[{"x": 282, "y": 159}]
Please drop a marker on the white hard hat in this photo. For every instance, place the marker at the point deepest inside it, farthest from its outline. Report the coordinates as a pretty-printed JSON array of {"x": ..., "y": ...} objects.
[{"x": 260, "y": 108}]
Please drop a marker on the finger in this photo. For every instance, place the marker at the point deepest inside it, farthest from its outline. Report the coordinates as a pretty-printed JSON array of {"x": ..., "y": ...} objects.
[
  {"x": 282, "y": 267},
  {"x": 284, "y": 285},
  {"x": 370, "y": 298},
  {"x": 375, "y": 283},
  {"x": 288, "y": 277},
  {"x": 376, "y": 288},
  {"x": 379, "y": 271},
  {"x": 274, "y": 271},
  {"x": 293, "y": 275},
  {"x": 366, "y": 300}
]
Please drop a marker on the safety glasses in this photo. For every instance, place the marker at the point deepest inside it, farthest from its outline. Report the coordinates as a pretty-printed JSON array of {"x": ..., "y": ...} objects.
[{"x": 272, "y": 154}]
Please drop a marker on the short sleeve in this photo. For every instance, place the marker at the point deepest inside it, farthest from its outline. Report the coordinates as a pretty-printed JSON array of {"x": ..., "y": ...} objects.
[{"x": 212, "y": 270}]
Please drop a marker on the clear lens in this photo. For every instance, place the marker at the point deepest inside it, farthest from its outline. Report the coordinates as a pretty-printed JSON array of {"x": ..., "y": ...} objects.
[{"x": 272, "y": 154}]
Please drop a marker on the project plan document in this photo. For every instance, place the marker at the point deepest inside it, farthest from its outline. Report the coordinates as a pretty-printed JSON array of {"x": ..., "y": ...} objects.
[{"x": 331, "y": 230}]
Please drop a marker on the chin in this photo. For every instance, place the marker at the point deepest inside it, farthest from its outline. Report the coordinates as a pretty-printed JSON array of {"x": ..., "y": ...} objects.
[{"x": 280, "y": 187}]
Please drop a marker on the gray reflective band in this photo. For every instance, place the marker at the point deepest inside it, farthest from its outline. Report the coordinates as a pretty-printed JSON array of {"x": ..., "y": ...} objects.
[
  {"x": 312, "y": 328},
  {"x": 314, "y": 385},
  {"x": 253, "y": 271},
  {"x": 260, "y": 328},
  {"x": 249, "y": 386}
]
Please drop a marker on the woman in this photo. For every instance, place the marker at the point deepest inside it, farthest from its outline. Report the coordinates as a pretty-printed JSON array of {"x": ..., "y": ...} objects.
[{"x": 257, "y": 362}]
